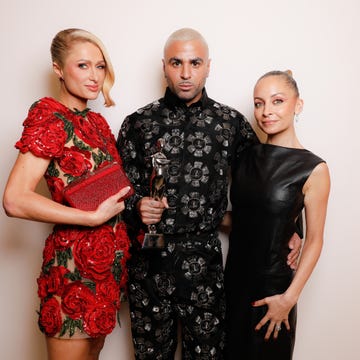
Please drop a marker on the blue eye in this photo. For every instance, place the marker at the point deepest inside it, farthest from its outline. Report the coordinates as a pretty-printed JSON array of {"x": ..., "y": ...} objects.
[{"x": 278, "y": 101}]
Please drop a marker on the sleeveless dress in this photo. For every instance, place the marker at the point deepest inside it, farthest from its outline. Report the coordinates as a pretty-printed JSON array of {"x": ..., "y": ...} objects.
[
  {"x": 84, "y": 268},
  {"x": 267, "y": 200}
]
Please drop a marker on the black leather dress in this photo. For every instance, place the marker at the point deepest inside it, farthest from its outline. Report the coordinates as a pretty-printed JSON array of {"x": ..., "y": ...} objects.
[{"x": 267, "y": 200}]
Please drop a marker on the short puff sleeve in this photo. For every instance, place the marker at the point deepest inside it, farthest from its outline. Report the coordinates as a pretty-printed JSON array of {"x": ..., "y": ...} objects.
[{"x": 44, "y": 134}]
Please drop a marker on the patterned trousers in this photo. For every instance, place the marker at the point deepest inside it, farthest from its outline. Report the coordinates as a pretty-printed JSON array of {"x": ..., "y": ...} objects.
[{"x": 182, "y": 283}]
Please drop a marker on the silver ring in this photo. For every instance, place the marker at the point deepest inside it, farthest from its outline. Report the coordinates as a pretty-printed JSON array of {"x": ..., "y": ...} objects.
[{"x": 278, "y": 327}]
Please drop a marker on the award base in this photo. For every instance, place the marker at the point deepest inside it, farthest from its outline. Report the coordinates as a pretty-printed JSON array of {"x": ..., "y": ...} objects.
[{"x": 153, "y": 241}]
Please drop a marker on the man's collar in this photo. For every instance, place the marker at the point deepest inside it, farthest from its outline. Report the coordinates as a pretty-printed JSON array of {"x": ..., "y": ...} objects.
[{"x": 172, "y": 100}]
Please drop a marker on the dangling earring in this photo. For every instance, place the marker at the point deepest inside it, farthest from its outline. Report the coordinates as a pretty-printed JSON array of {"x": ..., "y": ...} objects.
[{"x": 296, "y": 118}]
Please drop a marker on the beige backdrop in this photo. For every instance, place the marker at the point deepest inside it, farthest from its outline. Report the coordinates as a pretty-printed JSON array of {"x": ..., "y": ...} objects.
[{"x": 318, "y": 40}]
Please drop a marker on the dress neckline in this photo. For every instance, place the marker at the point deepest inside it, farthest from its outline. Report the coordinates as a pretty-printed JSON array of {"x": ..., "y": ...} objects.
[
  {"x": 74, "y": 111},
  {"x": 282, "y": 147}
]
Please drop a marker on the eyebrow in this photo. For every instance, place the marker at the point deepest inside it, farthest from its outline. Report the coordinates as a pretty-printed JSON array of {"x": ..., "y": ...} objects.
[
  {"x": 199, "y": 59},
  {"x": 274, "y": 95},
  {"x": 90, "y": 61}
]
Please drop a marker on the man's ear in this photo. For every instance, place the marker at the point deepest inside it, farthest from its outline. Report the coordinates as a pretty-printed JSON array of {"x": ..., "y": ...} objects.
[
  {"x": 163, "y": 63},
  {"x": 208, "y": 67}
]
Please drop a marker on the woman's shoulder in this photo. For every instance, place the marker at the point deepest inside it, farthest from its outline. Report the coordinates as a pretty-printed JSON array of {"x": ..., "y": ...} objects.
[
  {"x": 300, "y": 154},
  {"x": 313, "y": 156},
  {"x": 48, "y": 103},
  {"x": 318, "y": 182},
  {"x": 43, "y": 110},
  {"x": 43, "y": 133}
]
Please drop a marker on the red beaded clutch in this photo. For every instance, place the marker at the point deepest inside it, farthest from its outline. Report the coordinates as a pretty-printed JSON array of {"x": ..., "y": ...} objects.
[{"x": 90, "y": 190}]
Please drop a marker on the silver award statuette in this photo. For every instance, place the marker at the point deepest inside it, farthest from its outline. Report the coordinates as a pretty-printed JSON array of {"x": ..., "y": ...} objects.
[{"x": 157, "y": 188}]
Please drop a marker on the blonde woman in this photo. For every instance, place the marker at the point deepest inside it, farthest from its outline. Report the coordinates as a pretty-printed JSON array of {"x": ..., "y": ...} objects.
[{"x": 83, "y": 270}]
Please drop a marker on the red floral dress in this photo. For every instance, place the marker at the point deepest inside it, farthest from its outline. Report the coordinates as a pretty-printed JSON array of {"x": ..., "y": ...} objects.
[{"x": 84, "y": 268}]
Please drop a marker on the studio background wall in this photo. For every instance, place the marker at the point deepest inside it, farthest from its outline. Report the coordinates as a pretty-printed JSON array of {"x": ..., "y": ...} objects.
[{"x": 318, "y": 40}]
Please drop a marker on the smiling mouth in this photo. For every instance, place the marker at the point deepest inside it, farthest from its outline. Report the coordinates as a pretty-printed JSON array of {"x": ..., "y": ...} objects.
[
  {"x": 269, "y": 122},
  {"x": 93, "y": 88}
]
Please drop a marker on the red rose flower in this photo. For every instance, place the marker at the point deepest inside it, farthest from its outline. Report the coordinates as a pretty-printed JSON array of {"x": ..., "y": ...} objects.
[
  {"x": 46, "y": 141},
  {"x": 75, "y": 299},
  {"x": 101, "y": 124},
  {"x": 42, "y": 286},
  {"x": 65, "y": 236},
  {"x": 50, "y": 320},
  {"x": 74, "y": 162},
  {"x": 52, "y": 283},
  {"x": 87, "y": 132},
  {"x": 49, "y": 250},
  {"x": 40, "y": 115},
  {"x": 56, "y": 187},
  {"x": 86, "y": 153},
  {"x": 99, "y": 319},
  {"x": 109, "y": 290},
  {"x": 40, "y": 112},
  {"x": 94, "y": 253}
]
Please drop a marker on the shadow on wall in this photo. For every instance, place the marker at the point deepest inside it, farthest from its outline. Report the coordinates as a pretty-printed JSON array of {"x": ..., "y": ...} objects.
[
  {"x": 16, "y": 232},
  {"x": 21, "y": 256},
  {"x": 52, "y": 84}
]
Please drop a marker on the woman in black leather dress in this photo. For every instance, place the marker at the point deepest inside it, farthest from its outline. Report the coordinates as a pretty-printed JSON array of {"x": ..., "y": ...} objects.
[{"x": 271, "y": 184}]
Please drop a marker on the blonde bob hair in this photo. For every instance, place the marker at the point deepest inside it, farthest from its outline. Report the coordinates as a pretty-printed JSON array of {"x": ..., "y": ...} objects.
[{"x": 61, "y": 45}]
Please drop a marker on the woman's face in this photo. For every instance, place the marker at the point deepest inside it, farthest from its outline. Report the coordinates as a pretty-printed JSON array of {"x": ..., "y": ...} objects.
[
  {"x": 83, "y": 74},
  {"x": 275, "y": 104}
]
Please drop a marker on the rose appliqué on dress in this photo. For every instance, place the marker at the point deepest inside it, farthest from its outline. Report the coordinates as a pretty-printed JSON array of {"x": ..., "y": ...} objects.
[{"x": 84, "y": 269}]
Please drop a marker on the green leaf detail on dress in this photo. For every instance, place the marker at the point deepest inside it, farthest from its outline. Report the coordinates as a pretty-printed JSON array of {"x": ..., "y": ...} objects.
[
  {"x": 90, "y": 284},
  {"x": 68, "y": 126},
  {"x": 69, "y": 178},
  {"x": 98, "y": 157},
  {"x": 80, "y": 145},
  {"x": 70, "y": 325},
  {"x": 116, "y": 267},
  {"x": 82, "y": 113},
  {"x": 34, "y": 105},
  {"x": 52, "y": 170},
  {"x": 46, "y": 267},
  {"x": 63, "y": 256},
  {"x": 74, "y": 276}
]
